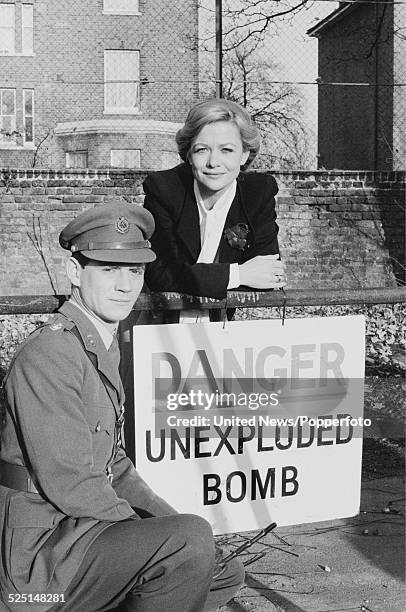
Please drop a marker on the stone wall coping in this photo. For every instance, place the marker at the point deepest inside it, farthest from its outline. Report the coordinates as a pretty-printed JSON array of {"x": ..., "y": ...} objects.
[
  {"x": 300, "y": 179},
  {"x": 70, "y": 173},
  {"x": 379, "y": 175}
]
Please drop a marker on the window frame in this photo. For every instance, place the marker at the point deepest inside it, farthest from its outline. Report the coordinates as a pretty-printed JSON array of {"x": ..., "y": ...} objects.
[
  {"x": 20, "y": 48},
  {"x": 121, "y": 110},
  {"x": 24, "y": 49},
  {"x": 138, "y": 164},
  {"x": 121, "y": 11},
  {"x": 78, "y": 152},
  {"x": 12, "y": 28},
  {"x": 32, "y": 116},
  {"x": 8, "y": 140}
]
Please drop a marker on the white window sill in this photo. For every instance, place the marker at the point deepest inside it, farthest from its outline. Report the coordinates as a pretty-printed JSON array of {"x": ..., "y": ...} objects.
[
  {"x": 121, "y": 111},
  {"x": 122, "y": 13},
  {"x": 14, "y": 147}
]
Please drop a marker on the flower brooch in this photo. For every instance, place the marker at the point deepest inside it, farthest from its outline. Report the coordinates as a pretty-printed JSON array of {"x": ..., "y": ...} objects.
[{"x": 236, "y": 236}]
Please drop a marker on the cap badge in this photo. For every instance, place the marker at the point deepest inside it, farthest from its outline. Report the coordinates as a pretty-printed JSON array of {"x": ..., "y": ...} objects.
[{"x": 122, "y": 225}]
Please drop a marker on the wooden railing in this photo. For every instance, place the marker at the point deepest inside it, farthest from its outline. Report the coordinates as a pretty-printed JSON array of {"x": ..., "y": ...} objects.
[{"x": 41, "y": 304}]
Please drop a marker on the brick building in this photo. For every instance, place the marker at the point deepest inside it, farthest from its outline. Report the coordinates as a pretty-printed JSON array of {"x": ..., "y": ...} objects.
[
  {"x": 362, "y": 92},
  {"x": 100, "y": 83}
]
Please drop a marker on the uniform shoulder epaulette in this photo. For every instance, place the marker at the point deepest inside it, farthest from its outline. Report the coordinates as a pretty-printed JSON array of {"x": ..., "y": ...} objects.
[{"x": 55, "y": 323}]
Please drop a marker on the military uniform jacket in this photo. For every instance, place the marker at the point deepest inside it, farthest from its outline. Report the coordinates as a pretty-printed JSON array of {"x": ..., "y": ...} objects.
[
  {"x": 169, "y": 196},
  {"x": 60, "y": 424}
]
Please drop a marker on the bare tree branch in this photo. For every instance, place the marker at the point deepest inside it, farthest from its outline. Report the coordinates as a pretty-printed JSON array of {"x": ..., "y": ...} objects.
[
  {"x": 256, "y": 23},
  {"x": 39, "y": 145},
  {"x": 274, "y": 107},
  {"x": 37, "y": 241}
]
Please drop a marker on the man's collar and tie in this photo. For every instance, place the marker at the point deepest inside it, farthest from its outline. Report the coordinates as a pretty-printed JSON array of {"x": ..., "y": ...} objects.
[{"x": 105, "y": 332}]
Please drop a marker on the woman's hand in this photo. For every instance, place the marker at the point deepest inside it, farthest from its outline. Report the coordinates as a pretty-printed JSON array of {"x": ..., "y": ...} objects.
[{"x": 263, "y": 272}]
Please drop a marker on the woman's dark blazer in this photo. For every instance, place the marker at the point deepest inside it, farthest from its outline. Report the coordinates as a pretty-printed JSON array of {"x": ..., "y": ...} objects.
[{"x": 176, "y": 240}]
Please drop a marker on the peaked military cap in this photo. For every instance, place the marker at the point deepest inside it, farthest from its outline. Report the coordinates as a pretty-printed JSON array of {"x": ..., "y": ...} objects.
[{"x": 116, "y": 231}]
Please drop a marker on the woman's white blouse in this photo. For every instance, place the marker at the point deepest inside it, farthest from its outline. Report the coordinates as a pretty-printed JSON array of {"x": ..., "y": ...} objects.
[{"x": 211, "y": 224}]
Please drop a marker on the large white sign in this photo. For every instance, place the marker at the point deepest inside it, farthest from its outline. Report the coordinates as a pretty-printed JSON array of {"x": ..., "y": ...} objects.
[{"x": 252, "y": 422}]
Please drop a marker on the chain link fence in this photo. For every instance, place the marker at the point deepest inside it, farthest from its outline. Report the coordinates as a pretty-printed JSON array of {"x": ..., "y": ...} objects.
[{"x": 324, "y": 80}]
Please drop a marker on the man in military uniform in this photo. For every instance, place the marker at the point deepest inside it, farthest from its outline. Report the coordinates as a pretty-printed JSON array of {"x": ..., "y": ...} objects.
[{"x": 80, "y": 530}]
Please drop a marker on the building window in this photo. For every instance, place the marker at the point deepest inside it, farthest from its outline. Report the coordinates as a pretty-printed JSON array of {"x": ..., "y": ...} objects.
[
  {"x": 16, "y": 119},
  {"x": 28, "y": 119},
  {"x": 24, "y": 20},
  {"x": 27, "y": 27},
  {"x": 121, "y": 82},
  {"x": 76, "y": 159},
  {"x": 121, "y": 7},
  {"x": 125, "y": 158},
  {"x": 7, "y": 29},
  {"x": 8, "y": 131}
]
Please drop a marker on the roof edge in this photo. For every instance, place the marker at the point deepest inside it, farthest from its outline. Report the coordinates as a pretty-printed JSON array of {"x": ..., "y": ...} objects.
[{"x": 336, "y": 15}]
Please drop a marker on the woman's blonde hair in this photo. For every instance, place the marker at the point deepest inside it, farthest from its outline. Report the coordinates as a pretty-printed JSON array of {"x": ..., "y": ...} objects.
[{"x": 211, "y": 111}]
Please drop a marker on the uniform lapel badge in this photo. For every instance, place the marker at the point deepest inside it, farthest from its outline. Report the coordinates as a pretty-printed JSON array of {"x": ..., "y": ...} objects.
[
  {"x": 122, "y": 225},
  {"x": 90, "y": 339}
]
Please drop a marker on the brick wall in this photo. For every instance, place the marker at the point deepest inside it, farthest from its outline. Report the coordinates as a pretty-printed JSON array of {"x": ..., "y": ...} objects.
[
  {"x": 66, "y": 71},
  {"x": 337, "y": 229},
  {"x": 342, "y": 228}
]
